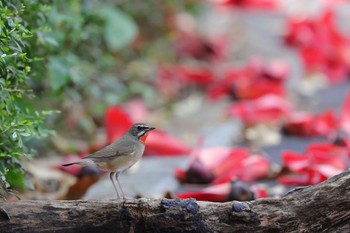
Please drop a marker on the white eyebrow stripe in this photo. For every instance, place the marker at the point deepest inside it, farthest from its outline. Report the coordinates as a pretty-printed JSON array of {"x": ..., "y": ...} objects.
[{"x": 141, "y": 133}]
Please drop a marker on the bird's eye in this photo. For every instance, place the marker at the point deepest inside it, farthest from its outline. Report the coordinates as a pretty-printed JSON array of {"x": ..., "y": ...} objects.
[{"x": 139, "y": 128}]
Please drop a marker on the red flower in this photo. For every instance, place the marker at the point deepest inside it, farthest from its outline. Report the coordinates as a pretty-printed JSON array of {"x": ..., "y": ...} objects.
[
  {"x": 308, "y": 125},
  {"x": 318, "y": 163},
  {"x": 251, "y": 4},
  {"x": 202, "y": 165},
  {"x": 230, "y": 191},
  {"x": 161, "y": 143},
  {"x": 117, "y": 122},
  {"x": 268, "y": 108},
  {"x": 193, "y": 45},
  {"x": 345, "y": 115},
  {"x": 326, "y": 124},
  {"x": 216, "y": 193},
  {"x": 200, "y": 76},
  {"x": 173, "y": 78},
  {"x": 222, "y": 165},
  {"x": 253, "y": 81},
  {"x": 322, "y": 46},
  {"x": 301, "y": 32},
  {"x": 242, "y": 166}
]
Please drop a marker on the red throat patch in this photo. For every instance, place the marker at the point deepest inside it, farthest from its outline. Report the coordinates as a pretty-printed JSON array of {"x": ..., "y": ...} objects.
[{"x": 143, "y": 138}]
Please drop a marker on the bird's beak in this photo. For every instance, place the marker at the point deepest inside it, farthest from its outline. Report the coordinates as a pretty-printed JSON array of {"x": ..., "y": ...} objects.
[{"x": 151, "y": 128}]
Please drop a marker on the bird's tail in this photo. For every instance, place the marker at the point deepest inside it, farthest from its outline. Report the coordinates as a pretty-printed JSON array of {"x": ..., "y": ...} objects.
[{"x": 68, "y": 164}]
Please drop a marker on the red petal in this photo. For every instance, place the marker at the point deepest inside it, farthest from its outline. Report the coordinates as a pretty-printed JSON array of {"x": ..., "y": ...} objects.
[
  {"x": 116, "y": 123},
  {"x": 327, "y": 171},
  {"x": 197, "y": 173},
  {"x": 268, "y": 108},
  {"x": 203, "y": 196},
  {"x": 312, "y": 57},
  {"x": 294, "y": 161},
  {"x": 212, "y": 157},
  {"x": 300, "y": 33},
  {"x": 294, "y": 180},
  {"x": 253, "y": 4},
  {"x": 315, "y": 177},
  {"x": 259, "y": 192},
  {"x": 217, "y": 91},
  {"x": 203, "y": 163},
  {"x": 254, "y": 168},
  {"x": 180, "y": 174},
  {"x": 299, "y": 123},
  {"x": 258, "y": 89},
  {"x": 328, "y": 154},
  {"x": 305, "y": 124},
  {"x": 201, "y": 76},
  {"x": 345, "y": 115},
  {"x": 252, "y": 81},
  {"x": 325, "y": 124},
  {"x": 216, "y": 193},
  {"x": 277, "y": 70},
  {"x": 322, "y": 46},
  {"x": 338, "y": 51},
  {"x": 161, "y": 143},
  {"x": 230, "y": 166}
]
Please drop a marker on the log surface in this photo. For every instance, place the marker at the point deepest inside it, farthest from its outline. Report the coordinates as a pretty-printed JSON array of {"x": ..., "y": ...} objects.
[{"x": 324, "y": 207}]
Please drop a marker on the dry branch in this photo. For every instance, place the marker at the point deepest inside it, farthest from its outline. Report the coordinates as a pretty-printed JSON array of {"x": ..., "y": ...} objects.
[{"x": 319, "y": 208}]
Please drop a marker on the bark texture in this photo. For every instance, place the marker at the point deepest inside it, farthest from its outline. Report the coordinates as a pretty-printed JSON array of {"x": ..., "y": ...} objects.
[{"x": 319, "y": 208}]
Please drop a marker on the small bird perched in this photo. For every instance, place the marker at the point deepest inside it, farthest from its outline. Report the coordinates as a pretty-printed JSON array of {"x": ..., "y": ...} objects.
[{"x": 119, "y": 155}]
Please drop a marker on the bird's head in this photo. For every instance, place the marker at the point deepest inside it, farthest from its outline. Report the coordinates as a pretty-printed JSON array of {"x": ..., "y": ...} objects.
[{"x": 140, "y": 131}]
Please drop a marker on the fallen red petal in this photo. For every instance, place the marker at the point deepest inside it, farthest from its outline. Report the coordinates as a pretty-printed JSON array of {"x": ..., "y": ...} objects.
[
  {"x": 161, "y": 143},
  {"x": 268, "y": 108},
  {"x": 117, "y": 122}
]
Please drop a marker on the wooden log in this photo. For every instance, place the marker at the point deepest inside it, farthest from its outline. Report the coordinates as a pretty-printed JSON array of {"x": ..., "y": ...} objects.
[{"x": 324, "y": 207}]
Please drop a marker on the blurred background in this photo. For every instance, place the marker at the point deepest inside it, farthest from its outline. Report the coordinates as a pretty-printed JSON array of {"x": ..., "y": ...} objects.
[{"x": 249, "y": 97}]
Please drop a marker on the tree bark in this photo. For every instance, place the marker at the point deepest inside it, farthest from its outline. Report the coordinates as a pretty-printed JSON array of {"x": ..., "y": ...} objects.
[{"x": 324, "y": 207}]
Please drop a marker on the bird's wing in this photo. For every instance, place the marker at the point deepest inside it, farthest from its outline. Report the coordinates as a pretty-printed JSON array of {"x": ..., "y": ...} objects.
[{"x": 111, "y": 151}]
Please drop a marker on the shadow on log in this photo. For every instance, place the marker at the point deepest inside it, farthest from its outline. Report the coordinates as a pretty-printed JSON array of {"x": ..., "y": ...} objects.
[{"x": 324, "y": 207}]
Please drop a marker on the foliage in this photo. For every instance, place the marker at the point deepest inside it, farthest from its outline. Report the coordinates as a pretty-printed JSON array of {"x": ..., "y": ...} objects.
[
  {"x": 98, "y": 54},
  {"x": 78, "y": 56},
  {"x": 19, "y": 122}
]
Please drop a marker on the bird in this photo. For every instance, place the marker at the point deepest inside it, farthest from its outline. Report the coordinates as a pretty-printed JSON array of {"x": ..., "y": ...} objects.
[{"x": 120, "y": 154}]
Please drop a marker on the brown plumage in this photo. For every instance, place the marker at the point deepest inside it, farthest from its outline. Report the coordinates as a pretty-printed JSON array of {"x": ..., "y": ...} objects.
[{"x": 119, "y": 155}]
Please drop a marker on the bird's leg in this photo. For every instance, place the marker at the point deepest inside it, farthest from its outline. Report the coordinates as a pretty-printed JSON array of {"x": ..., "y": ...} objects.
[
  {"x": 115, "y": 188},
  {"x": 120, "y": 187}
]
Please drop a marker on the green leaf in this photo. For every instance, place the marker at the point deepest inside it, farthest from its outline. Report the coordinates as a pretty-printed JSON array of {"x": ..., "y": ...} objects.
[
  {"x": 59, "y": 72},
  {"x": 11, "y": 23},
  {"x": 14, "y": 135},
  {"x": 51, "y": 41},
  {"x": 119, "y": 30},
  {"x": 19, "y": 22},
  {"x": 25, "y": 134},
  {"x": 16, "y": 177}
]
